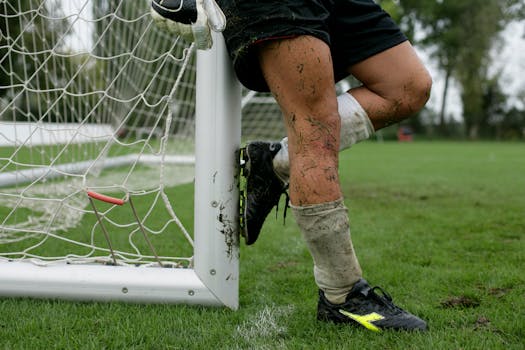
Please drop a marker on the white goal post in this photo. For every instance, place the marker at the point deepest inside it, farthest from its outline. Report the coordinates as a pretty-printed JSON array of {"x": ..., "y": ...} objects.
[{"x": 139, "y": 102}]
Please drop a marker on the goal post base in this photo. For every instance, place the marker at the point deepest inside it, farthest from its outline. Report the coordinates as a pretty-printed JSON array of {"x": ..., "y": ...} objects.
[{"x": 105, "y": 283}]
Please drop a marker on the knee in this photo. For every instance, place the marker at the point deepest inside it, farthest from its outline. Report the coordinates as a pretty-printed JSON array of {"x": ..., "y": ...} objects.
[
  {"x": 422, "y": 89},
  {"x": 317, "y": 134},
  {"x": 416, "y": 92},
  {"x": 315, "y": 124}
]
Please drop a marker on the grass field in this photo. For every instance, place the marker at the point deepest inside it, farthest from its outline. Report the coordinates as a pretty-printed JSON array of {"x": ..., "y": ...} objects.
[{"x": 440, "y": 226}]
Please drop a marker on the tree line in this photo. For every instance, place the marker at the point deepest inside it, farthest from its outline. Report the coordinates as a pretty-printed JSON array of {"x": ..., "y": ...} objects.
[{"x": 32, "y": 73}]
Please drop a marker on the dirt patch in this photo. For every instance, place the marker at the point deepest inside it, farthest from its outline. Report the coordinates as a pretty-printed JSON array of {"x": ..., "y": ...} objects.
[
  {"x": 460, "y": 302},
  {"x": 283, "y": 265},
  {"x": 482, "y": 322},
  {"x": 499, "y": 292}
]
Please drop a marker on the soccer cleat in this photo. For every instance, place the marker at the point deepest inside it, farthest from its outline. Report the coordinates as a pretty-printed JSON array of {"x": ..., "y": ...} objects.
[
  {"x": 364, "y": 307},
  {"x": 263, "y": 187}
]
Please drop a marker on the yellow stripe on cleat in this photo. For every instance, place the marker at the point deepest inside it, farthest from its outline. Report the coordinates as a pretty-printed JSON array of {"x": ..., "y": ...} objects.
[{"x": 365, "y": 320}]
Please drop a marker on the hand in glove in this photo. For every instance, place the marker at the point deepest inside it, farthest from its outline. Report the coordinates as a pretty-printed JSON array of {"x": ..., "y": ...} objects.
[{"x": 191, "y": 19}]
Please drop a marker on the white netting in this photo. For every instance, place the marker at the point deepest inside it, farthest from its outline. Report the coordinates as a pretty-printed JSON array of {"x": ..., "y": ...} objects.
[
  {"x": 94, "y": 97},
  {"x": 86, "y": 88}
]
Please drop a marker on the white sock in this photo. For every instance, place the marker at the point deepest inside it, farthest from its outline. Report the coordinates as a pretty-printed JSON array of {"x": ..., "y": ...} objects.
[
  {"x": 355, "y": 124},
  {"x": 326, "y": 230},
  {"x": 355, "y": 127}
]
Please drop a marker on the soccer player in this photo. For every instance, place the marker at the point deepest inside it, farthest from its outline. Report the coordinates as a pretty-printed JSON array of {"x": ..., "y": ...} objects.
[{"x": 298, "y": 50}]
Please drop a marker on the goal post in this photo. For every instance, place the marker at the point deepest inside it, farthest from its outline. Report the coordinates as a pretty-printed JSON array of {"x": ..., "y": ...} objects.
[
  {"x": 218, "y": 134},
  {"x": 154, "y": 111}
]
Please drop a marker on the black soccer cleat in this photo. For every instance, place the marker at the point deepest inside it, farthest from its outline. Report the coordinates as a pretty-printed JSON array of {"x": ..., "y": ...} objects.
[
  {"x": 263, "y": 187},
  {"x": 364, "y": 307}
]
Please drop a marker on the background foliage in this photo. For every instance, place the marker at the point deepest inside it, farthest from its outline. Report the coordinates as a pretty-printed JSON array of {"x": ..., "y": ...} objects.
[{"x": 458, "y": 34}]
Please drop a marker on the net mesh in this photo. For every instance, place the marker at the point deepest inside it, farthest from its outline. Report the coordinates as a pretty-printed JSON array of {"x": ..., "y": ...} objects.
[{"x": 94, "y": 97}]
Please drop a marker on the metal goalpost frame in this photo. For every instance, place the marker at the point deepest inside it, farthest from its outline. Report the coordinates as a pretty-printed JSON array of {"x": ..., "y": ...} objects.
[
  {"x": 214, "y": 280},
  {"x": 218, "y": 135}
]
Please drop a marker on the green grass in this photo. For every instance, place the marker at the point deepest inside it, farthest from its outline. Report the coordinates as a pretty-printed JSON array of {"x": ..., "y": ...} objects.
[
  {"x": 170, "y": 243},
  {"x": 38, "y": 155},
  {"x": 440, "y": 226}
]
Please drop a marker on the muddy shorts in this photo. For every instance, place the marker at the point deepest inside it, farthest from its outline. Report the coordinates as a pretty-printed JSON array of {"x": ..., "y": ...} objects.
[{"x": 354, "y": 30}]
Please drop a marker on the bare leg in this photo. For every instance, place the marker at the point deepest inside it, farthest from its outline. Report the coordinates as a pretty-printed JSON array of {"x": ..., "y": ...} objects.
[
  {"x": 395, "y": 85},
  {"x": 299, "y": 74}
]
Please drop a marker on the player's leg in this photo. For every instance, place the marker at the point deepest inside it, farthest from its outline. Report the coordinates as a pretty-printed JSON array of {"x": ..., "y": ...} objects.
[
  {"x": 300, "y": 75},
  {"x": 396, "y": 85},
  {"x": 248, "y": 26}
]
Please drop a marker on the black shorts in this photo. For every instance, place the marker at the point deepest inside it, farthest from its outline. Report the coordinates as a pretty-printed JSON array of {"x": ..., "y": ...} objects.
[{"x": 354, "y": 30}]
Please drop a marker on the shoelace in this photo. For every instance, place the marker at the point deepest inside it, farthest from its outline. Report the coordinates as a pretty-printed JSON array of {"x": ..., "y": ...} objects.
[
  {"x": 384, "y": 298},
  {"x": 286, "y": 205}
]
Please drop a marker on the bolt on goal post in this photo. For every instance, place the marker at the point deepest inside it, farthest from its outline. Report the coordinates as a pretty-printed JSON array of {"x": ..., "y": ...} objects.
[{"x": 212, "y": 277}]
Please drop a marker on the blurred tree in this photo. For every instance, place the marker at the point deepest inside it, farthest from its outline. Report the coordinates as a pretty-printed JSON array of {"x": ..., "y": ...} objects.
[
  {"x": 9, "y": 30},
  {"x": 30, "y": 30},
  {"x": 513, "y": 125},
  {"x": 501, "y": 120},
  {"x": 460, "y": 35},
  {"x": 494, "y": 106}
]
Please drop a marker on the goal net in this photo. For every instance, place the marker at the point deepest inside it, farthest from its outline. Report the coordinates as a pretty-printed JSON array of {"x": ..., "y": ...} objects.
[{"x": 108, "y": 178}]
